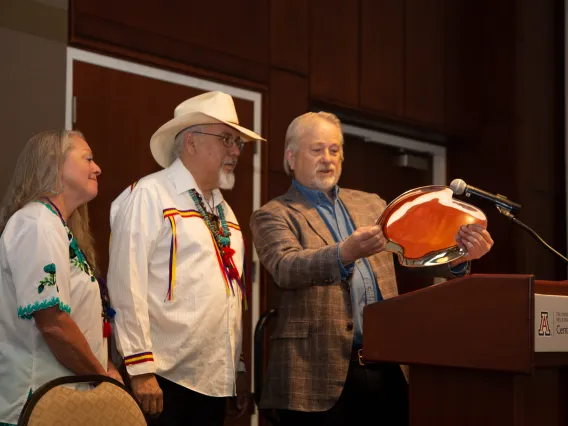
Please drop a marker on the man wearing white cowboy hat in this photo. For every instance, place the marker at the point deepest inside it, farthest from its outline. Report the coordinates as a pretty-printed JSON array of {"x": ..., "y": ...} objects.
[{"x": 176, "y": 269}]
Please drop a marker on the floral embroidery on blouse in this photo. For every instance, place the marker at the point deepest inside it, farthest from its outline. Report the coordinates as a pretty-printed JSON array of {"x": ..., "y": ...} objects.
[
  {"x": 77, "y": 258},
  {"x": 76, "y": 255},
  {"x": 28, "y": 311},
  {"x": 49, "y": 280}
]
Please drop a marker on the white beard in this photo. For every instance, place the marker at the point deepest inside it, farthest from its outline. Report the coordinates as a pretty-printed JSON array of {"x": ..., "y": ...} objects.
[
  {"x": 325, "y": 184},
  {"x": 226, "y": 180}
]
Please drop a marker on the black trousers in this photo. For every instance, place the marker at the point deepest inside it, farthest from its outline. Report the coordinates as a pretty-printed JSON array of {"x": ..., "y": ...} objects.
[
  {"x": 372, "y": 395},
  {"x": 186, "y": 407}
]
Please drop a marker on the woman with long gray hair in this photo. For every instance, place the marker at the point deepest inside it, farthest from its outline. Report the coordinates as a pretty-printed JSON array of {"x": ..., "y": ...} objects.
[{"x": 53, "y": 312}]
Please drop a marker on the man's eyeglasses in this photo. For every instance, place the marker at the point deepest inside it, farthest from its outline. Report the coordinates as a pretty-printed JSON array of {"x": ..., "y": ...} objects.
[{"x": 228, "y": 140}]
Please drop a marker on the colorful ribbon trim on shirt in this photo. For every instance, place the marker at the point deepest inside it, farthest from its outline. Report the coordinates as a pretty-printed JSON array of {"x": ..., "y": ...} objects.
[
  {"x": 173, "y": 254},
  {"x": 138, "y": 358},
  {"x": 227, "y": 276}
]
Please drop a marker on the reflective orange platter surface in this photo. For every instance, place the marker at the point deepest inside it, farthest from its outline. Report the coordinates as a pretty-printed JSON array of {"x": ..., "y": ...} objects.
[{"x": 420, "y": 225}]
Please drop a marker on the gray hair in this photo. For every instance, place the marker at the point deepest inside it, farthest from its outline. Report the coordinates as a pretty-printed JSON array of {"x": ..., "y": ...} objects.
[
  {"x": 178, "y": 145},
  {"x": 297, "y": 128}
]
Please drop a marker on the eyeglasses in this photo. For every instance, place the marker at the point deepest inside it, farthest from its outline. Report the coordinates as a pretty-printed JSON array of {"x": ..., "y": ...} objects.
[{"x": 228, "y": 140}]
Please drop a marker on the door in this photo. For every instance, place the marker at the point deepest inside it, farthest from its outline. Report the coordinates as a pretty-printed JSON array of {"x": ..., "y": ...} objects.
[{"x": 118, "y": 112}]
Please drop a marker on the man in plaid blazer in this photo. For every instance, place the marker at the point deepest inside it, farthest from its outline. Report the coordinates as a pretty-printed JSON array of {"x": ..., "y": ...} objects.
[{"x": 323, "y": 249}]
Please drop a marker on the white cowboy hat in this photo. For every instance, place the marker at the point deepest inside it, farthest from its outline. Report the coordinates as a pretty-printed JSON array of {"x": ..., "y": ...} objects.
[{"x": 207, "y": 108}]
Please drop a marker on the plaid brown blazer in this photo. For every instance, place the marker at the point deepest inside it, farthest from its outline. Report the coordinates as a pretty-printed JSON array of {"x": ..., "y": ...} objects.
[{"x": 311, "y": 346}]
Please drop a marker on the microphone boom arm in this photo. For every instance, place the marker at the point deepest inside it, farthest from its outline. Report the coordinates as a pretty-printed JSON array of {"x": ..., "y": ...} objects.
[
  {"x": 505, "y": 212},
  {"x": 499, "y": 200}
]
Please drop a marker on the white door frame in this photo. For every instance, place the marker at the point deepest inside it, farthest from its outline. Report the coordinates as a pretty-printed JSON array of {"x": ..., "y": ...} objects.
[
  {"x": 74, "y": 54},
  {"x": 438, "y": 153}
]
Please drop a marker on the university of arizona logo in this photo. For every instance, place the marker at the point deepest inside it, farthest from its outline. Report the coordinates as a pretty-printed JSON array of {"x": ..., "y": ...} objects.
[{"x": 544, "y": 329}]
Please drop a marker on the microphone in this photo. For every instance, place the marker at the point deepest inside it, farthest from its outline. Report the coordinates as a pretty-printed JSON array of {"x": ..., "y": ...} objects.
[{"x": 459, "y": 187}]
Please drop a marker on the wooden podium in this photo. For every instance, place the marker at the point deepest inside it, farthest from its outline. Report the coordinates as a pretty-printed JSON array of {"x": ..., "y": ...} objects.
[{"x": 480, "y": 352}]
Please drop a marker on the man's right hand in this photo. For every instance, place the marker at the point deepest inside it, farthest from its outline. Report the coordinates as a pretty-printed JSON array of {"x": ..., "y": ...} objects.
[
  {"x": 364, "y": 242},
  {"x": 146, "y": 389}
]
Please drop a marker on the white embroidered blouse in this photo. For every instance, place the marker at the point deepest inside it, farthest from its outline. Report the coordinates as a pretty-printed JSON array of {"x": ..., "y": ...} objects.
[{"x": 37, "y": 271}]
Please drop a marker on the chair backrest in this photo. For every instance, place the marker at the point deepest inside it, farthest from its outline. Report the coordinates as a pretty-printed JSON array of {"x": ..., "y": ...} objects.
[
  {"x": 259, "y": 352},
  {"x": 82, "y": 400},
  {"x": 259, "y": 342}
]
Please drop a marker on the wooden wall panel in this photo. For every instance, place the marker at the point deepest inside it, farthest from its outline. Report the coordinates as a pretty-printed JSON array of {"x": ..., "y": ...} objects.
[
  {"x": 424, "y": 61},
  {"x": 334, "y": 61},
  {"x": 490, "y": 165},
  {"x": 278, "y": 183},
  {"x": 486, "y": 159},
  {"x": 540, "y": 173},
  {"x": 232, "y": 38},
  {"x": 289, "y": 98},
  {"x": 382, "y": 56},
  {"x": 462, "y": 69},
  {"x": 497, "y": 59},
  {"x": 289, "y": 35}
]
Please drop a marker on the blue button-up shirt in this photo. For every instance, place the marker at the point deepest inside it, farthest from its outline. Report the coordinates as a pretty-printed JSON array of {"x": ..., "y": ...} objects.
[{"x": 364, "y": 288}]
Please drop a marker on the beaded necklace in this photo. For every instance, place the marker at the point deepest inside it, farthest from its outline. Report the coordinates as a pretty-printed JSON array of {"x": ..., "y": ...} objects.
[
  {"x": 222, "y": 238},
  {"x": 77, "y": 258}
]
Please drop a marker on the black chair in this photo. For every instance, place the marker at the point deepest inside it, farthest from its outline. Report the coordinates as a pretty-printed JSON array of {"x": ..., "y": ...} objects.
[{"x": 259, "y": 333}]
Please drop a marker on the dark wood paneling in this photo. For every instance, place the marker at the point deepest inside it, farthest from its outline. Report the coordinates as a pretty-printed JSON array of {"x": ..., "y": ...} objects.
[
  {"x": 446, "y": 396},
  {"x": 289, "y": 94},
  {"x": 382, "y": 56},
  {"x": 543, "y": 395},
  {"x": 278, "y": 183},
  {"x": 232, "y": 38},
  {"x": 489, "y": 163},
  {"x": 486, "y": 396},
  {"x": 462, "y": 69},
  {"x": 334, "y": 57},
  {"x": 234, "y": 28},
  {"x": 540, "y": 176},
  {"x": 497, "y": 59},
  {"x": 424, "y": 61},
  {"x": 289, "y": 35},
  {"x": 485, "y": 158}
]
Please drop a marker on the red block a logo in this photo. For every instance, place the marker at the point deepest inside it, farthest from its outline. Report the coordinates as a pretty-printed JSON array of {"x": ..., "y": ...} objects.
[{"x": 544, "y": 329}]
